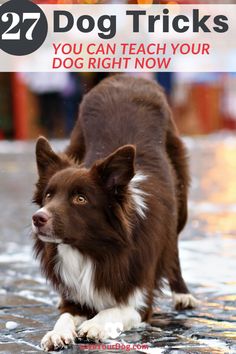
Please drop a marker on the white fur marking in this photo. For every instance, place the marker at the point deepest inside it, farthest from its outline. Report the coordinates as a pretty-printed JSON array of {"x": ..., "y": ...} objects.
[
  {"x": 49, "y": 239},
  {"x": 138, "y": 194},
  {"x": 110, "y": 323},
  {"x": 64, "y": 332},
  {"x": 184, "y": 300},
  {"x": 138, "y": 300},
  {"x": 34, "y": 229},
  {"x": 44, "y": 210},
  {"x": 77, "y": 271},
  {"x": 44, "y": 238}
]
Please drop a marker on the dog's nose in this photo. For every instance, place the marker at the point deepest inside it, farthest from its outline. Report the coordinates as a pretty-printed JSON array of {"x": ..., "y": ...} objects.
[{"x": 40, "y": 219}]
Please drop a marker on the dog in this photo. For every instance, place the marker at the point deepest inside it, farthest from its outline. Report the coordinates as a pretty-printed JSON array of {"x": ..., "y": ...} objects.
[{"x": 111, "y": 208}]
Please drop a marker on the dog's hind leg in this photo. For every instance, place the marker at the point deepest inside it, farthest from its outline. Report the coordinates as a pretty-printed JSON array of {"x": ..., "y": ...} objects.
[
  {"x": 182, "y": 298},
  {"x": 178, "y": 157}
]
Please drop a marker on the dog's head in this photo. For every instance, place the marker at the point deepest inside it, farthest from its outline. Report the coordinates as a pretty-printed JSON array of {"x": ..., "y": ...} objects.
[{"x": 87, "y": 208}]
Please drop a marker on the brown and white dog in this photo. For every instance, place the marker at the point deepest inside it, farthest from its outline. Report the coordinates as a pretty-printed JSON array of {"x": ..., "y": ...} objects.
[{"x": 111, "y": 209}]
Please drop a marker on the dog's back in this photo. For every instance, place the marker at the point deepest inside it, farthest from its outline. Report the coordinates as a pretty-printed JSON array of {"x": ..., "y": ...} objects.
[
  {"x": 125, "y": 110},
  {"x": 121, "y": 110}
]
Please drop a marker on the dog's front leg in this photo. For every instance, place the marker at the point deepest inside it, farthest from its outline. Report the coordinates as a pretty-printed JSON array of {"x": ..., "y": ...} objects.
[
  {"x": 63, "y": 333},
  {"x": 110, "y": 323}
]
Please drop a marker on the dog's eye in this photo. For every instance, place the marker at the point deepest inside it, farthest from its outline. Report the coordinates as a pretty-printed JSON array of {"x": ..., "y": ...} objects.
[
  {"x": 79, "y": 199},
  {"x": 48, "y": 196}
]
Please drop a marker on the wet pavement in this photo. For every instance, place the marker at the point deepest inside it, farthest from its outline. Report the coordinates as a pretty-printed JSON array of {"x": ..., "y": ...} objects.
[{"x": 207, "y": 249}]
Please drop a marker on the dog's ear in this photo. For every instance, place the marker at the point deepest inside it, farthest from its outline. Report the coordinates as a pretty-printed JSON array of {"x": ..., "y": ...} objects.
[
  {"x": 117, "y": 169},
  {"x": 45, "y": 156}
]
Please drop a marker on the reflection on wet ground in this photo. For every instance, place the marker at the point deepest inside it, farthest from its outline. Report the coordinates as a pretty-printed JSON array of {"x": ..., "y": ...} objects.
[{"x": 208, "y": 257}]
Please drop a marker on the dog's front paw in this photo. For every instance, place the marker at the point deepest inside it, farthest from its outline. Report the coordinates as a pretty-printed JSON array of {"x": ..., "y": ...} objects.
[
  {"x": 98, "y": 331},
  {"x": 55, "y": 339}
]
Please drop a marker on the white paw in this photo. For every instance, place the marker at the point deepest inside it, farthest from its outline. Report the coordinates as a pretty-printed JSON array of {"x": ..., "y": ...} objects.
[
  {"x": 184, "y": 301},
  {"x": 56, "y": 339},
  {"x": 98, "y": 332}
]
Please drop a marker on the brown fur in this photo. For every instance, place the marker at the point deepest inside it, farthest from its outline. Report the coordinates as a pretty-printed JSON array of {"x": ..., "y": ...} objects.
[{"x": 128, "y": 251}]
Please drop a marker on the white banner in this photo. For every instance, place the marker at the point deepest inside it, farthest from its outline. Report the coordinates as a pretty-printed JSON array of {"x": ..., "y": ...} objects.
[{"x": 115, "y": 38}]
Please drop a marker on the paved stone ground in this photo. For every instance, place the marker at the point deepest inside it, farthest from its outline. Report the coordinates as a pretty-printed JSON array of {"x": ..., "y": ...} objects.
[{"x": 208, "y": 257}]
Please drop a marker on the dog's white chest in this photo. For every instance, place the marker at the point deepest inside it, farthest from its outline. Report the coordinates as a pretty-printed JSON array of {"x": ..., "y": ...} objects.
[{"x": 77, "y": 272}]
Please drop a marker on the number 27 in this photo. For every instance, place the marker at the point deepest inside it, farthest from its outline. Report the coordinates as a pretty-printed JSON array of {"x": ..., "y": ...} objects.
[{"x": 15, "y": 21}]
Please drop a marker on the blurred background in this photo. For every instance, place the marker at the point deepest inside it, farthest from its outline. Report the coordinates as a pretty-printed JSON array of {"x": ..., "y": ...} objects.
[{"x": 47, "y": 103}]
